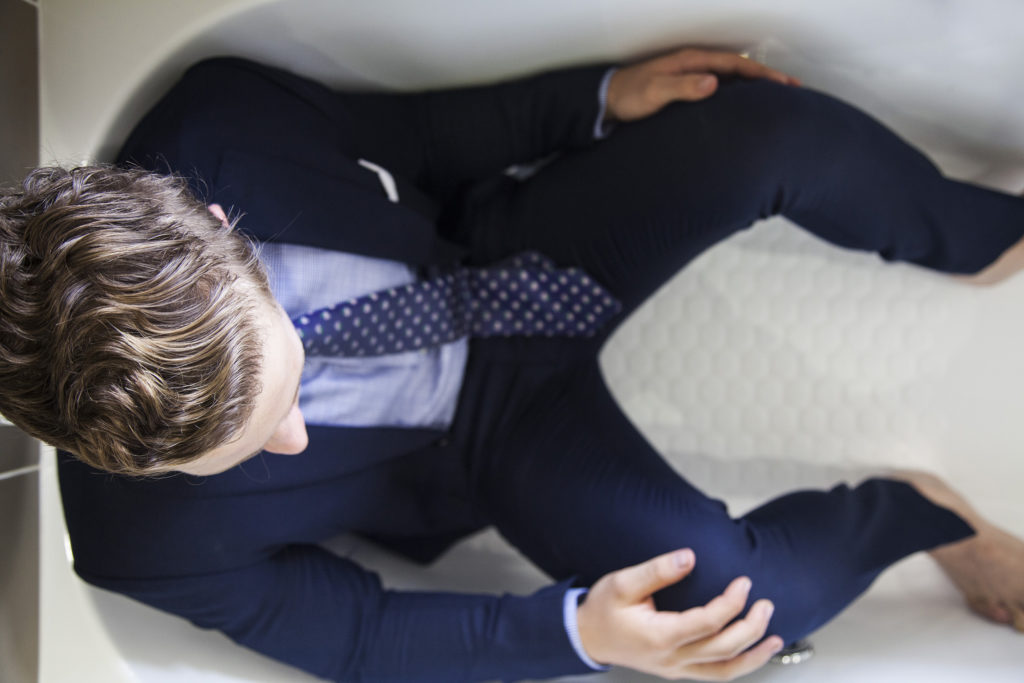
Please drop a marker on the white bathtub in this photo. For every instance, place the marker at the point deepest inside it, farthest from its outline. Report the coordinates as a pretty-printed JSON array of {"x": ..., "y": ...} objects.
[{"x": 857, "y": 365}]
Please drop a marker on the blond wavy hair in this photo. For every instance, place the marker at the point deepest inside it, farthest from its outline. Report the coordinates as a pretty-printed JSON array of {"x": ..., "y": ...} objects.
[{"x": 128, "y": 323}]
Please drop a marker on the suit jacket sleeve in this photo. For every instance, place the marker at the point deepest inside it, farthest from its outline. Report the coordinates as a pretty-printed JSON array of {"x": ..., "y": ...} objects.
[
  {"x": 439, "y": 141},
  {"x": 454, "y": 137},
  {"x": 324, "y": 614}
]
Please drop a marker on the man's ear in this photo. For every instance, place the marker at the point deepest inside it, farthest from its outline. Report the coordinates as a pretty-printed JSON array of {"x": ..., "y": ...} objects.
[{"x": 218, "y": 211}]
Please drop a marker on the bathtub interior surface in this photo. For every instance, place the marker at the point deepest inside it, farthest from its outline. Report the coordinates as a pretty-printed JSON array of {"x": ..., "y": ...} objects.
[{"x": 772, "y": 362}]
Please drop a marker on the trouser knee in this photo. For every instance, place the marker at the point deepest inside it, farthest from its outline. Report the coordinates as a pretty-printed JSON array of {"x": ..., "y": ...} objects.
[{"x": 805, "y": 590}]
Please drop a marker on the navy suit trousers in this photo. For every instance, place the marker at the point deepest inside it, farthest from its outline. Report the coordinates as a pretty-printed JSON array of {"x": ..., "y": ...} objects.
[{"x": 548, "y": 456}]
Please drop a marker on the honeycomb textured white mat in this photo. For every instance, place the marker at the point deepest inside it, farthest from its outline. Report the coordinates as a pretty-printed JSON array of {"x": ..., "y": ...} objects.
[
  {"x": 772, "y": 362},
  {"x": 777, "y": 345}
]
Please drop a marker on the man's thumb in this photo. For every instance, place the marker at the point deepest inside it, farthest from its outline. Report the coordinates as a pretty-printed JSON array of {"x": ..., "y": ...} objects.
[
  {"x": 696, "y": 86},
  {"x": 637, "y": 583}
]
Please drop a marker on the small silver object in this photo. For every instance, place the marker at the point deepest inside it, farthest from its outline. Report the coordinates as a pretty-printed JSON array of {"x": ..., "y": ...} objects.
[{"x": 797, "y": 653}]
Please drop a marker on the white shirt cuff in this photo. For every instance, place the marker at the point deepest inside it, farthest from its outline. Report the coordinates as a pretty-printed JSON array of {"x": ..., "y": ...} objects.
[
  {"x": 601, "y": 127},
  {"x": 571, "y": 602}
]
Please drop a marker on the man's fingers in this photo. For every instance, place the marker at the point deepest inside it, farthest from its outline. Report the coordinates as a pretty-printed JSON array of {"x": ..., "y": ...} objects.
[
  {"x": 636, "y": 584},
  {"x": 699, "y": 623},
  {"x": 738, "y": 65},
  {"x": 751, "y": 660},
  {"x": 724, "y": 63},
  {"x": 685, "y": 87},
  {"x": 728, "y": 63},
  {"x": 689, "y": 75},
  {"x": 732, "y": 641}
]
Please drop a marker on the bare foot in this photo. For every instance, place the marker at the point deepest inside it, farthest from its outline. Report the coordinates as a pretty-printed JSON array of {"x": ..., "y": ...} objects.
[
  {"x": 989, "y": 571},
  {"x": 988, "y": 568}
]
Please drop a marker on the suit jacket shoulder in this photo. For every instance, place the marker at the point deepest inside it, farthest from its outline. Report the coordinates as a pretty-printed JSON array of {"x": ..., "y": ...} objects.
[{"x": 277, "y": 148}]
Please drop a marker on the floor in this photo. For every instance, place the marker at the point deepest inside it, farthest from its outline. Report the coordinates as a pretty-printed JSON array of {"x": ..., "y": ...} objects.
[{"x": 770, "y": 363}]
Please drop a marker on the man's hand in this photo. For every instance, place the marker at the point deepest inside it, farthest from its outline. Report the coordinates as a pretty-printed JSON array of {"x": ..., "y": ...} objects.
[
  {"x": 618, "y": 624},
  {"x": 690, "y": 74}
]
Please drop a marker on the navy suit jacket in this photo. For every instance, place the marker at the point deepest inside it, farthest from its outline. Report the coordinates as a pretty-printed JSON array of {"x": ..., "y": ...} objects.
[{"x": 239, "y": 551}]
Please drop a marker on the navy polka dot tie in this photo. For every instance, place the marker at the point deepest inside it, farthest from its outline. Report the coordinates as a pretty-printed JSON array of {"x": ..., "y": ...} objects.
[{"x": 525, "y": 295}]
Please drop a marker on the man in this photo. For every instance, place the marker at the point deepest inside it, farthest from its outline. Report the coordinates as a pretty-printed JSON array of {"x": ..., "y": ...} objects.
[{"x": 140, "y": 333}]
